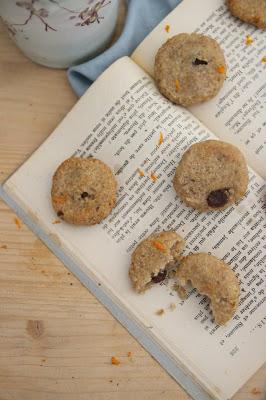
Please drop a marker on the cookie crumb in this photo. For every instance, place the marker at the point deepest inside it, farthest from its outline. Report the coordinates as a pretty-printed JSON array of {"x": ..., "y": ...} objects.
[
  {"x": 141, "y": 173},
  {"x": 43, "y": 360},
  {"x": 56, "y": 221},
  {"x": 249, "y": 40},
  {"x": 153, "y": 177},
  {"x": 158, "y": 245},
  {"x": 221, "y": 69},
  {"x": 18, "y": 222},
  {"x": 3, "y": 246},
  {"x": 129, "y": 354},
  {"x": 167, "y": 28},
  {"x": 177, "y": 85},
  {"x": 111, "y": 380},
  {"x": 264, "y": 59},
  {"x": 181, "y": 291},
  {"x": 161, "y": 139},
  {"x": 160, "y": 312},
  {"x": 255, "y": 391},
  {"x": 172, "y": 306},
  {"x": 114, "y": 361}
]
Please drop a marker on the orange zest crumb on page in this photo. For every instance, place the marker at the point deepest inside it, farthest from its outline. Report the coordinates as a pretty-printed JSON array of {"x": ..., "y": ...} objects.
[
  {"x": 141, "y": 173},
  {"x": 115, "y": 361},
  {"x": 263, "y": 59},
  {"x": 56, "y": 221},
  {"x": 167, "y": 28},
  {"x": 160, "y": 312},
  {"x": 153, "y": 177},
  {"x": 18, "y": 222},
  {"x": 177, "y": 85},
  {"x": 249, "y": 40},
  {"x": 161, "y": 139}
]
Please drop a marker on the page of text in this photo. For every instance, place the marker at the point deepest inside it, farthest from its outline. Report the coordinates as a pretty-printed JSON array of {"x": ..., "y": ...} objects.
[
  {"x": 237, "y": 114},
  {"x": 142, "y": 136}
]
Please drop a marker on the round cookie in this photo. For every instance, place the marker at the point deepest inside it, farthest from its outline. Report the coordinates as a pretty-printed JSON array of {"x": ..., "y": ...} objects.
[
  {"x": 83, "y": 191},
  {"x": 213, "y": 278},
  {"x": 212, "y": 175},
  {"x": 153, "y": 258},
  {"x": 251, "y": 11},
  {"x": 190, "y": 68}
]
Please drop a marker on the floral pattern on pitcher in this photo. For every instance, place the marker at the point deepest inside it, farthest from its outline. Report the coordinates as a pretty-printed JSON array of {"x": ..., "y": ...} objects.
[{"x": 83, "y": 17}]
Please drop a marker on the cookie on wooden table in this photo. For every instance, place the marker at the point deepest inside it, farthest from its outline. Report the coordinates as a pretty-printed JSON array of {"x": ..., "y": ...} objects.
[
  {"x": 212, "y": 175},
  {"x": 214, "y": 278},
  {"x": 190, "y": 69},
  {"x": 251, "y": 11},
  {"x": 83, "y": 191},
  {"x": 153, "y": 258}
]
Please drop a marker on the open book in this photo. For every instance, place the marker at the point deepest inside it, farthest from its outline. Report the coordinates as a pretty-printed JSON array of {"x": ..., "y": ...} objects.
[{"x": 120, "y": 120}]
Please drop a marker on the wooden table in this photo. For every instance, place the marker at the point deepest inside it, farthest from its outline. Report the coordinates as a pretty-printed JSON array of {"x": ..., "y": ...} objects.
[{"x": 56, "y": 339}]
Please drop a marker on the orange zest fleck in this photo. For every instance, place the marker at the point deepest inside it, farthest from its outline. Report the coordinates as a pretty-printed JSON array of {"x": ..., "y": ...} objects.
[
  {"x": 129, "y": 354},
  {"x": 177, "y": 85},
  {"x": 161, "y": 139},
  {"x": 221, "y": 69},
  {"x": 160, "y": 312},
  {"x": 141, "y": 173},
  {"x": 59, "y": 199},
  {"x": 56, "y": 221},
  {"x": 3, "y": 246},
  {"x": 115, "y": 361},
  {"x": 153, "y": 177},
  {"x": 158, "y": 245},
  {"x": 18, "y": 222},
  {"x": 249, "y": 40},
  {"x": 167, "y": 28},
  {"x": 263, "y": 59},
  {"x": 255, "y": 391}
]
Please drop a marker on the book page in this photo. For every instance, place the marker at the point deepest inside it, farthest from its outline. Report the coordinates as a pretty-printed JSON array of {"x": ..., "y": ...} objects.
[
  {"x": 124, "y": 121},
  {"x": 237, "y": 113}
]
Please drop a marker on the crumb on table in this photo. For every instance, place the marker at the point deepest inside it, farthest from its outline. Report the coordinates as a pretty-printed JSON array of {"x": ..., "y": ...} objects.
[
  {"x": 18, "y": 222},
  {"x": 255, "y": 391},
  {"x": 115, "y": 361}
]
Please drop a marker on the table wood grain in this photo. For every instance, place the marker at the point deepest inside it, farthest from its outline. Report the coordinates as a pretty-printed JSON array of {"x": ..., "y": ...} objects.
[{"x": 56, "y": 339}]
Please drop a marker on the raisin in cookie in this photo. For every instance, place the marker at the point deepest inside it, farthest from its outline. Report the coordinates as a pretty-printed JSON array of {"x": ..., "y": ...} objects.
[
  {"x": 251, "y": 11},
  {"x": 153, "y": 258},
  {"x": 212, "y": 175},
  {"x": 190, "y": 68},
  {"x": 83, "y": 191},
  {"x": 213, "y": 278}
]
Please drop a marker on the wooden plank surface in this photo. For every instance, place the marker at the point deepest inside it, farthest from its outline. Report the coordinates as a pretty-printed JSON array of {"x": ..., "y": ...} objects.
[{"x": 56, "y": 339}]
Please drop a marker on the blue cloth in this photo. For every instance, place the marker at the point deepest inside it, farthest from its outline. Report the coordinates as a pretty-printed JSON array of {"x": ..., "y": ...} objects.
[{"x": 142, "y": 17}]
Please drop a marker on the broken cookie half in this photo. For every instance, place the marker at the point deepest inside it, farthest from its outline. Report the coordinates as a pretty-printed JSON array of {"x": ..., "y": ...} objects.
[
  {"x": 214, "y": 278},
  {"x": 154, "y": 258}
]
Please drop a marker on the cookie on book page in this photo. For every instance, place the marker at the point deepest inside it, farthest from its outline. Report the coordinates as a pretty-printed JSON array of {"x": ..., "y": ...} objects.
[
  {"x": 83, "y": 191},
  {"x": 190, "y": 68},
  {"x": 154, "y": 258},
  {"x": 214, "y": 278},
  {"x": 251, "y": 11},
  {"x": 211, "y": 176}
]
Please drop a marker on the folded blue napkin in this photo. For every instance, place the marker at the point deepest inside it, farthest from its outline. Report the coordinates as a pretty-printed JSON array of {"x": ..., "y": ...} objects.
[{"x": 142, "y": 17}]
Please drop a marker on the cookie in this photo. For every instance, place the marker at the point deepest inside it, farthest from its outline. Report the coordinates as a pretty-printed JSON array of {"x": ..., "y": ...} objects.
[
  {"x": 190, "y": 69},
  {"x": 153, "y": 258},
  {"x": 83, "y": 191},
  {"x": 212, "y": 175},
  {"x": 213, "y": 278},
  {"x": 251, "y": 11}
]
